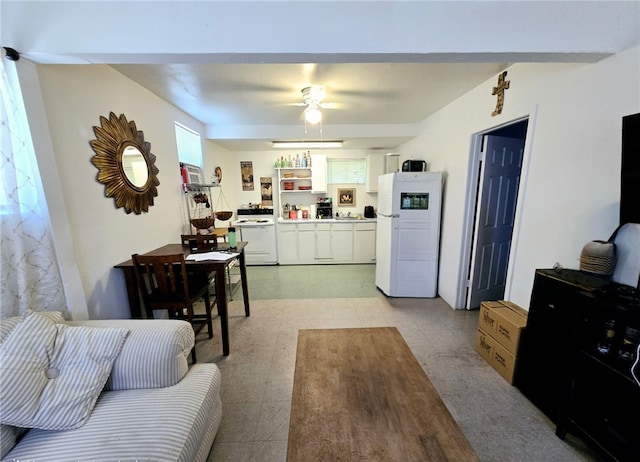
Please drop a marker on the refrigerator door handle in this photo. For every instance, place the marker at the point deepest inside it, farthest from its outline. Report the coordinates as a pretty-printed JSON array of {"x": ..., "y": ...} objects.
[{"x": 395, "y": 215}]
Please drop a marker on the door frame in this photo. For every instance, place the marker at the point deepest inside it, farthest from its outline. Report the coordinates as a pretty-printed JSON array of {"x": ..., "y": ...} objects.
[{"x": 474, "y": 177}]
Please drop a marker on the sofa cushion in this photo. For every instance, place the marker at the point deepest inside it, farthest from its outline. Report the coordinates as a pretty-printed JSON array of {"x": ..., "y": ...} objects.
[
  {"x": 51, "y": 374},
  {"x": 176, "y": 423},
  {"x": 155, "y": 354}
]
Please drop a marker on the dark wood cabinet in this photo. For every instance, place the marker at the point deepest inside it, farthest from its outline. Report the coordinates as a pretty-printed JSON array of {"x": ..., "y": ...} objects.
[
  {"x": 630, "y": 170},
  {"x": 569, "y": 363},
  {"x": 601, "y": 398}
]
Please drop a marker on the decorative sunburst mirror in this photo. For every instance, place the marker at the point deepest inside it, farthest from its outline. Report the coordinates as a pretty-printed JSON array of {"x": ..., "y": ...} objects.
[{"x": 125, "y": 164}]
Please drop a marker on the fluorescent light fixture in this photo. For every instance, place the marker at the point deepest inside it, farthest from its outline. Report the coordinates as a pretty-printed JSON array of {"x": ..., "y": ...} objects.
[{"x": 306, "y": 144}]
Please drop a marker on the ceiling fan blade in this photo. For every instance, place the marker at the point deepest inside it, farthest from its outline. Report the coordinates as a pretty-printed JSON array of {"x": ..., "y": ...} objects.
[{"x": 330, "y": 105}]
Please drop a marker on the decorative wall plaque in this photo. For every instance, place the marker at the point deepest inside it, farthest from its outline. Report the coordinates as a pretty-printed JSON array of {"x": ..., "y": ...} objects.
[{"x": 499, "y": 91}]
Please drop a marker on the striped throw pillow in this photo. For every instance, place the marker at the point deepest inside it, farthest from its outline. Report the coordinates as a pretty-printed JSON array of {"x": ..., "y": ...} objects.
[{"x": 51, "y": 374}]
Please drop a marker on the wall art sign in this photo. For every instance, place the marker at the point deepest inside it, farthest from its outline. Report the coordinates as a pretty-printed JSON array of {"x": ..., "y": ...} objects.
[
  {"x": 246, "y": 170},
  {"x": 347, "y": 197},
  {"x": 266, "y": 190}
]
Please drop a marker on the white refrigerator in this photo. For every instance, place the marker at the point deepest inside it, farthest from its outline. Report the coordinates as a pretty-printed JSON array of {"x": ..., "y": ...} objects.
[{"x": 408, "y": 233}]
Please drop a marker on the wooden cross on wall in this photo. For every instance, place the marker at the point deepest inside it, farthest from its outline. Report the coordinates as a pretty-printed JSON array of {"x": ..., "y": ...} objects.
[{"x": 499, "y": 90}]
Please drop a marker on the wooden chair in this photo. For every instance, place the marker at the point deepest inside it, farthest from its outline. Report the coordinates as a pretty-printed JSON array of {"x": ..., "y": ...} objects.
[
  {"x": 165, "y": 285},
  {"x": 206, "y": 242}
]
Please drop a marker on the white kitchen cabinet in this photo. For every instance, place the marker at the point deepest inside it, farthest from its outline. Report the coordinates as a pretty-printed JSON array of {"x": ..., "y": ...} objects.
[
  {"x": 375, "y": 168},
  {"x": 319, "y": 173},
  {"x": 306, "y": 242},
  {"x": 364, "y": 243},
  {"x": 326, "y": 242},
  {"x": 287, "y": 244},
  {"x": 323, "y": 241},
  {"x": 342, "y": 242}
]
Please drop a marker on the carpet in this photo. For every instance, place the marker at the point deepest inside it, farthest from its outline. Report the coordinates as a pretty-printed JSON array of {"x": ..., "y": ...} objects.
[{"x": 360, "y": 394}]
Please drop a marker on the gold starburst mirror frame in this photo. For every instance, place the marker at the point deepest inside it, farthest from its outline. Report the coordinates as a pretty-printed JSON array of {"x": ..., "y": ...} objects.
[{"x": 125, "y": 164}]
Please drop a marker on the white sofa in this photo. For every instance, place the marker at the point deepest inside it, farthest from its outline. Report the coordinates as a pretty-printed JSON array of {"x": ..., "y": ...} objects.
[{"x": 154, "y": 407}]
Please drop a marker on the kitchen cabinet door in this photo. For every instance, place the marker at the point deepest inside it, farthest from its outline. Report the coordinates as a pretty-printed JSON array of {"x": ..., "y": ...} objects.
[
  {"x": 375, "y": 168},
  {"x": 364, "y": 243},
  {"x": 318, "y": 173},
  {"x": 287, "y": 244},
  {"x": 342, "y": 242},
  {"x": 323, "y": 241},
  {"x": 306, "y": 242}
]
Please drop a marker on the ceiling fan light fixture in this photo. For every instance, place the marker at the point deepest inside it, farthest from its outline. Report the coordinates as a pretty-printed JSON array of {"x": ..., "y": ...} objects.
[{"x": 312, "y": 115}]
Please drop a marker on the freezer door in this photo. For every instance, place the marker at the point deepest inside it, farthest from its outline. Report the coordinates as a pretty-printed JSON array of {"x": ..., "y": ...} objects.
[
  {"x": 417, "y": 260},
  {"x": 385, "y": 194},
  {"x": 386, "y": 251}
]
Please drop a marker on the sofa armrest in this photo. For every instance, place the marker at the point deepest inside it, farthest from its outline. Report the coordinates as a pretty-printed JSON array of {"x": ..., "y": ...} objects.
[{"x": 154, "y": 355}]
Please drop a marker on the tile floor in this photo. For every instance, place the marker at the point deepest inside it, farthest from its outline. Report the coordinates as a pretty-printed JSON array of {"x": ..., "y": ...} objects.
[{"x": 257, "y": 377}]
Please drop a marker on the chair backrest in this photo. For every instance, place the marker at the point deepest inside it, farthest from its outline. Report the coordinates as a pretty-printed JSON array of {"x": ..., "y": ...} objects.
[
  {"x": 204, "y": 241},
  {"x": 162, "y": 280}
]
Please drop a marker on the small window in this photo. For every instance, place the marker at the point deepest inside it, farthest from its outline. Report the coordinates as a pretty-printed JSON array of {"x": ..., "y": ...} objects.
[
  {"x": 189, "y": 145},
  {"x": 346, "y": 171}
]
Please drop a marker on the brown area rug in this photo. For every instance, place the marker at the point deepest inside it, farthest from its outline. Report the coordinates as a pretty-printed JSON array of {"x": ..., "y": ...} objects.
[{"x": 360, "y": 394}]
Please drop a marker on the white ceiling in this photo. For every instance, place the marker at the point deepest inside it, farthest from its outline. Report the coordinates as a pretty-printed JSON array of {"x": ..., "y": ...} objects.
[
  {"x": 262, "y": 98},
  {"x": 237, "y": 66}
]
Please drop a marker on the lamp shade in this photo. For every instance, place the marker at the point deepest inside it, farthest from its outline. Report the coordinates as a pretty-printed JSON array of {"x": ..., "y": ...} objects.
[{"x": 312, "y": 115}]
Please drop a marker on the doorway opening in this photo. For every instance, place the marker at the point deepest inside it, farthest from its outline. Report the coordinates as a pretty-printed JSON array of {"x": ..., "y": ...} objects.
[{"x": 494, "y": 184}]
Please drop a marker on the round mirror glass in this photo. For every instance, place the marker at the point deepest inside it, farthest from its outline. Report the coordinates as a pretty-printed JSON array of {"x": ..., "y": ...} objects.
[{"x": 135, "y": 166}]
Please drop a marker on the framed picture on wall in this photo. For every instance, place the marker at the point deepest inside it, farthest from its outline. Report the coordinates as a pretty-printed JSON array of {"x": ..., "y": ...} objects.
[{"x": 346, "y": 197}]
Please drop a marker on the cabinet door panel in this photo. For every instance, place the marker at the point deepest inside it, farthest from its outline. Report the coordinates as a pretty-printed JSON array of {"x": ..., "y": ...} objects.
[
  {"x": 364, "y": 245},
  {"x": 342, "y": 242},
  {"x": 287, "y": 245},
  {"x": 306, "y": 244},
  {"x": 323, "y": 243},
  {"x": 544, "y": 352}
]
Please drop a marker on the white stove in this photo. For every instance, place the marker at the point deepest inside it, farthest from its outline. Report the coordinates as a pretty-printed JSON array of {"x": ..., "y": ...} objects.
[
  {"x": 254, "y": 222},
  {"x": 257, "y": 227}
]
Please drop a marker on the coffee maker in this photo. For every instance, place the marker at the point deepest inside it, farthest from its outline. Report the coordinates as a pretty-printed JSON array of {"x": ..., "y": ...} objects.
[{"x": 324, "y": 208}]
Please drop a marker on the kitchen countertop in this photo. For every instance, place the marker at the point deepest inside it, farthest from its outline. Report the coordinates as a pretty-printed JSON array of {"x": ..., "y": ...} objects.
[{"x": 327, "y": 220}]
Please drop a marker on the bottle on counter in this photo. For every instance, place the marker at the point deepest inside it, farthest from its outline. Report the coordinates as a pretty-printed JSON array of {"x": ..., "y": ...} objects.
[{"x": 233, "y": 242}]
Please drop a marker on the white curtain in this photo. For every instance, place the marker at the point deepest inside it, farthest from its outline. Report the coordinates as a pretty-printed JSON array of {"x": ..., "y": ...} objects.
[{"x": 29, "y": 272}]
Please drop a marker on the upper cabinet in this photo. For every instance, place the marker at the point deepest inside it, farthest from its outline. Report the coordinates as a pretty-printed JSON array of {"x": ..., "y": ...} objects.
[
  {"x": 375, "y": 168},
  {"x": 306, "y": 180},
  {"x": 319, "y": 173}
]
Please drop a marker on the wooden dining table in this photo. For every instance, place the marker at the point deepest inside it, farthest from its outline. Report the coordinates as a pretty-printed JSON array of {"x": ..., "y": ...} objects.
[{"x": 208, "y": 266}]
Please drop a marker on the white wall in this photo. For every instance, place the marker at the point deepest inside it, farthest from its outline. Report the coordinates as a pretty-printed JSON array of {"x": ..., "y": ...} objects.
[
  {"x": 74, "y": 98},
  {"x": 572, "y": 192}
]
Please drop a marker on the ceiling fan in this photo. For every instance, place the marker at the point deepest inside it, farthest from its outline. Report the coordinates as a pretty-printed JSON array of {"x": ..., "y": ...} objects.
[{"x": 313, "y": 97}]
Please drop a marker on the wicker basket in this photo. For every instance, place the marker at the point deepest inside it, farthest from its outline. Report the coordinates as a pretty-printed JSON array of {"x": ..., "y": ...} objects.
[
  {"x": 598, "y": 257},
  {"x": 224, "y": 215},
  {"x": 202, "y": 223}
]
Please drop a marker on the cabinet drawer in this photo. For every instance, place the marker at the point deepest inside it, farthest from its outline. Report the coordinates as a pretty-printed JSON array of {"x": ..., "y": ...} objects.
[
  {"x": 369, "y": 226},
  {"x": 342, "y": 227}
]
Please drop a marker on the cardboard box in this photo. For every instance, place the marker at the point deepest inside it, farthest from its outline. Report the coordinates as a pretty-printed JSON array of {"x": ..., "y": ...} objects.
[
  {"x": 504, "y": 321},
  {"x": 496, "y": 355}
]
